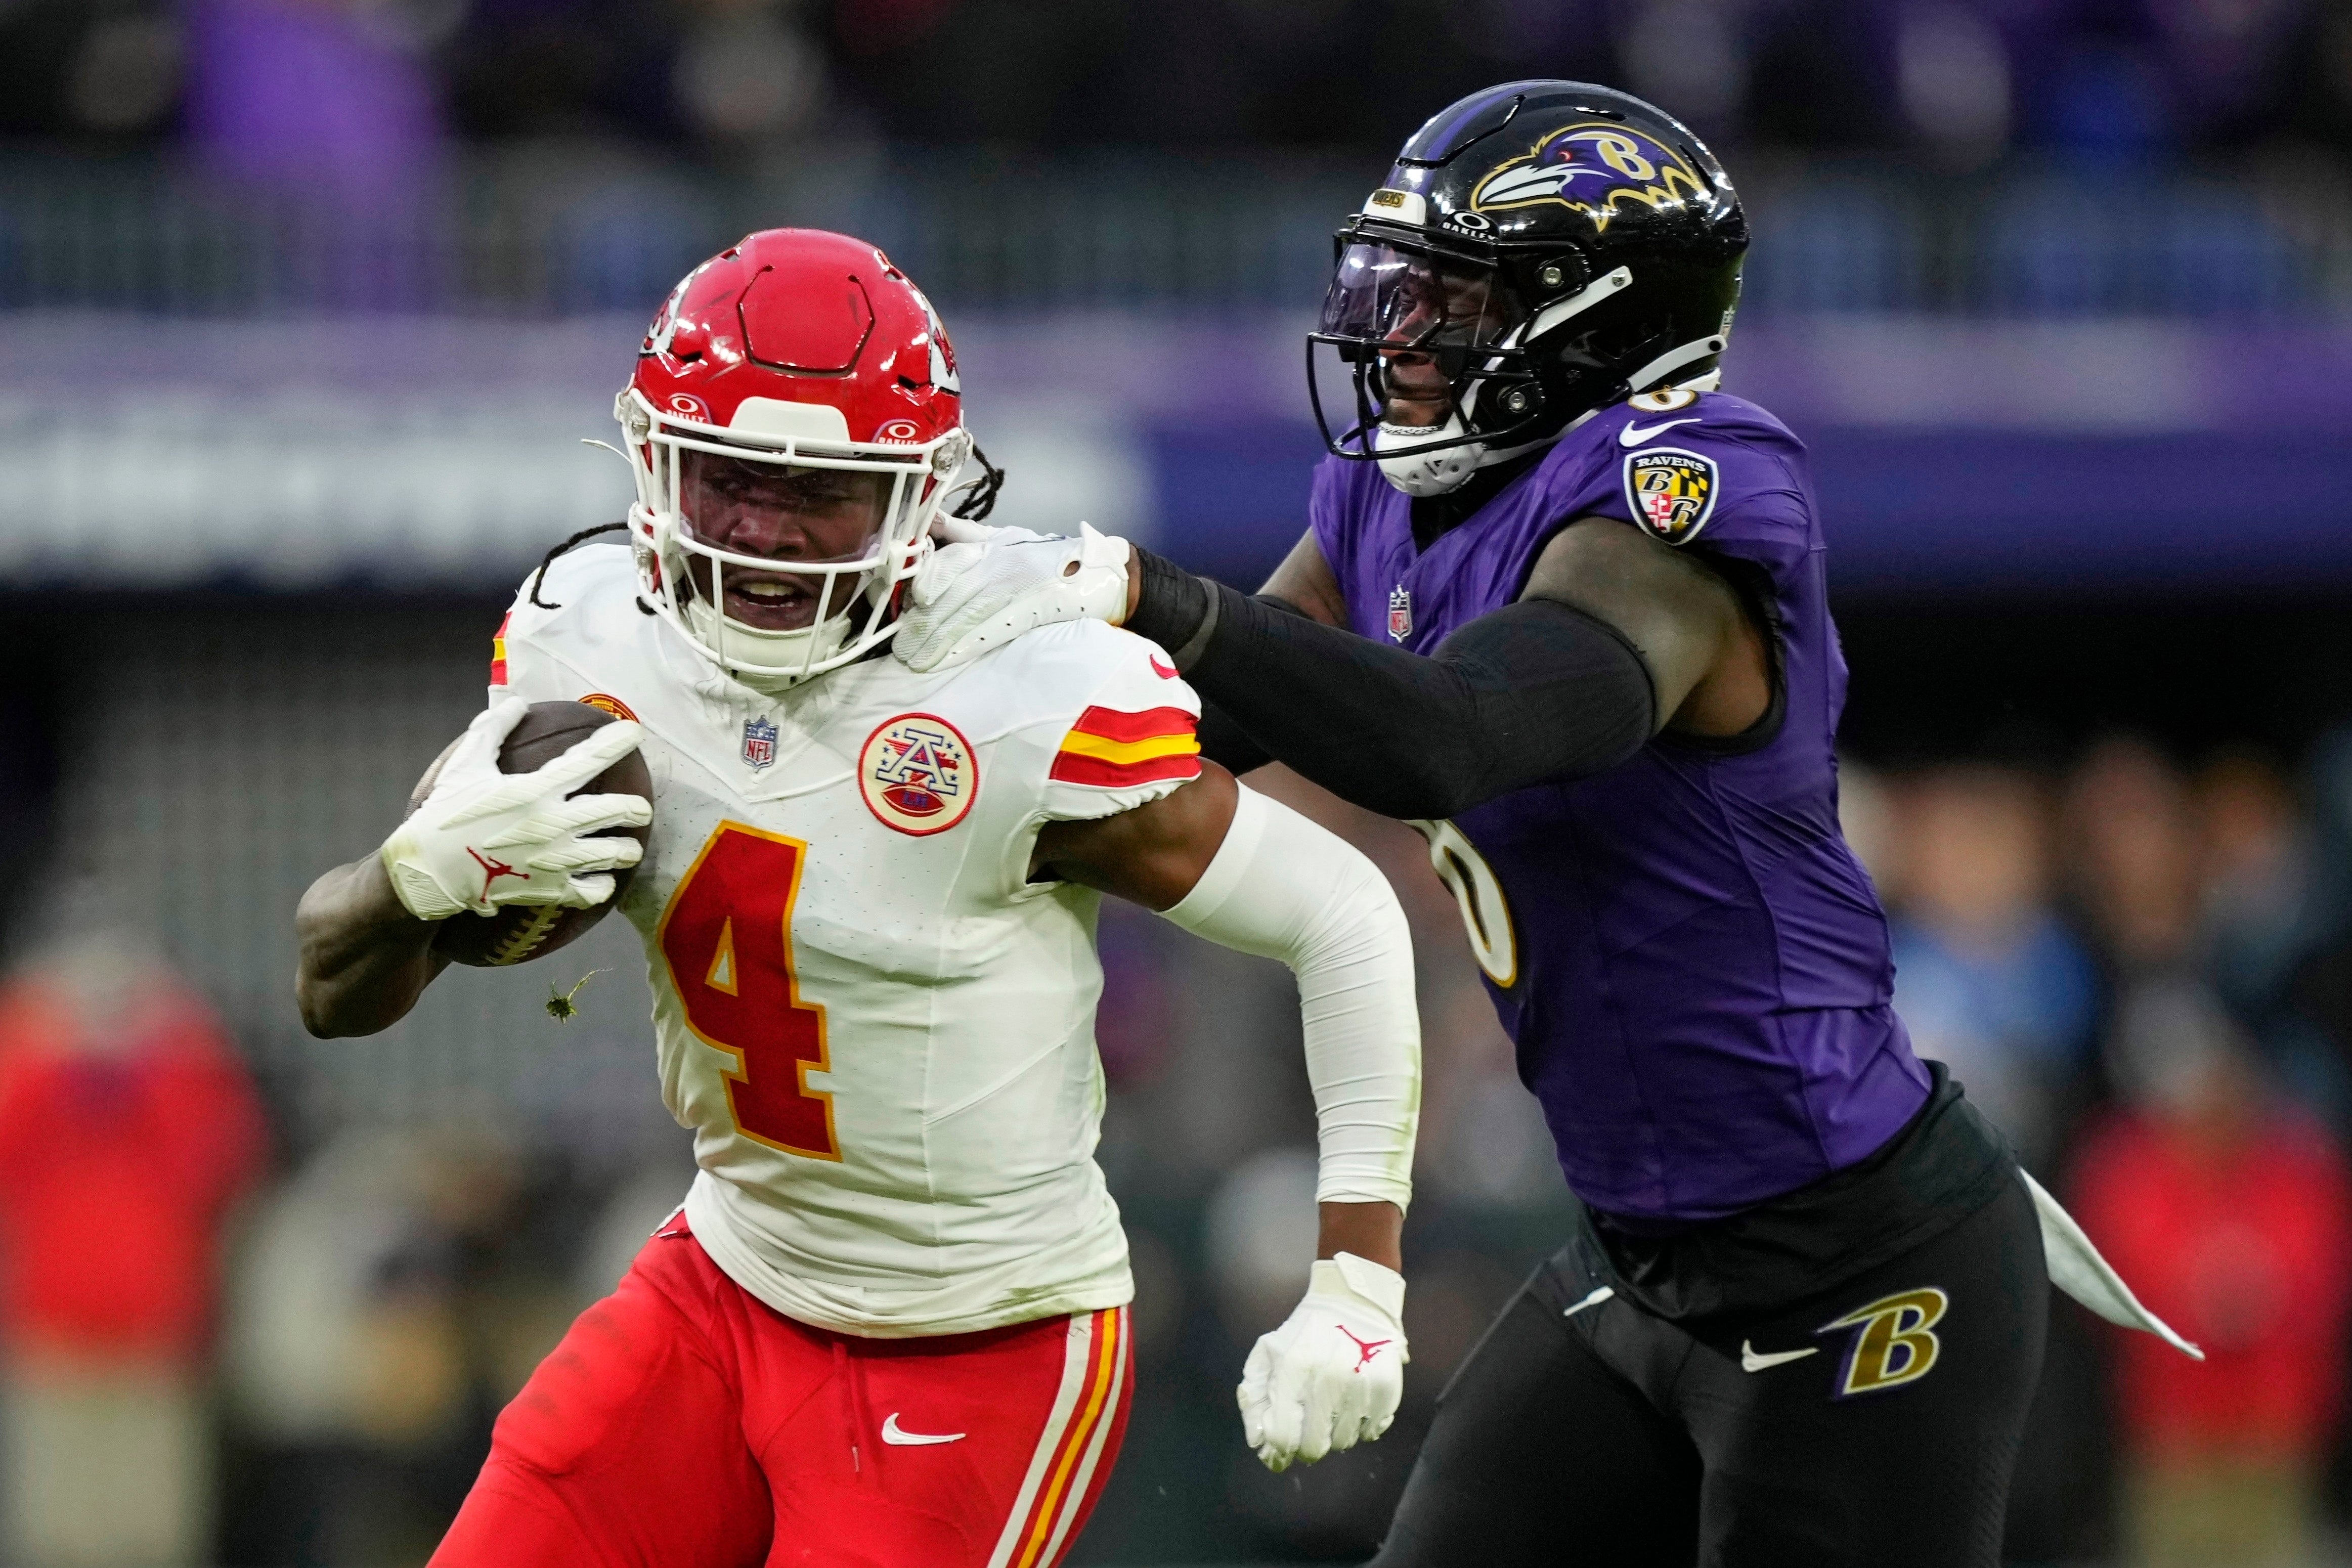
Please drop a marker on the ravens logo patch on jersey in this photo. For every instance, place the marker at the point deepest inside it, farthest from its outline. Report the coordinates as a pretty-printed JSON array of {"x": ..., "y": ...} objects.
[{"x": 1670, "y": 492}]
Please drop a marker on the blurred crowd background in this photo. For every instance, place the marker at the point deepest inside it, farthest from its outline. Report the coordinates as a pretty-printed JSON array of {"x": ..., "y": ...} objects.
[{"x": 306, "y": 304}]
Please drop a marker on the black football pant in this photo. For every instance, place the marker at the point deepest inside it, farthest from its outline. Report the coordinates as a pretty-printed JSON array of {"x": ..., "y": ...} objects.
[{"x": 1874, "y": 1426}]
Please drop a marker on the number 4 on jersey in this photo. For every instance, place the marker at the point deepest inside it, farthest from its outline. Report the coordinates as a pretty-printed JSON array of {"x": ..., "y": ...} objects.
[{"x": 726, "y": 937}]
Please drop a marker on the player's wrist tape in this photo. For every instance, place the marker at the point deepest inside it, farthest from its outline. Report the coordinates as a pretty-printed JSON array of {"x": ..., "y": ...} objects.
[
  {"x": 1173, "y": 608},
  {"x": 1281, "y": 887}
]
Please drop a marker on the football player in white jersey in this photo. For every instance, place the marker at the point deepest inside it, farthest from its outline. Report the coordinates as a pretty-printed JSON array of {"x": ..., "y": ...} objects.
[{"x": 888, "y": 1324}]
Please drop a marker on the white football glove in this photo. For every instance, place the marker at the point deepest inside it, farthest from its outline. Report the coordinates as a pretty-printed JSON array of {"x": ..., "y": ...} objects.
[
  {"x": 483, "y": 840},
  {"x": 988, "y": 585},
  {"x": 1331, "y": 1375}
]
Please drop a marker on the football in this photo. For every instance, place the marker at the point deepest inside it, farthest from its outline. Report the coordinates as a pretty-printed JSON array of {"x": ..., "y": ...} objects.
[{"x": 521, "y": 932}]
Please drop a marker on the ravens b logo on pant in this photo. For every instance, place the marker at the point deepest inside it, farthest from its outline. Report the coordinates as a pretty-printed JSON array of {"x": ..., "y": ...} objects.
[{"x": 1896, "y": 1340}]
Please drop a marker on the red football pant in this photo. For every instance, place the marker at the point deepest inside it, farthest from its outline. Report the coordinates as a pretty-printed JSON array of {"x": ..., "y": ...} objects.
[{"x": 682, "y": 1422}]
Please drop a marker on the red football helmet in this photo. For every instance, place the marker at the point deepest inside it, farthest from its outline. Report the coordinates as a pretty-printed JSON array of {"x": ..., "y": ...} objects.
[{"x": 804, "y": 349}]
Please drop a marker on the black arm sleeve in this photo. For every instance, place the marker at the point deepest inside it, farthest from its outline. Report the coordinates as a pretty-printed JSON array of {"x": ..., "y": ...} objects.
[
  {"x": 1535, "y": 690},
  {"x": 1227, "y": 745}
]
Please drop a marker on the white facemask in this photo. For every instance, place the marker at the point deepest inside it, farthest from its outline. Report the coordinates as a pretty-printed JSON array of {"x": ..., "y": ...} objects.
[{"x": 767, "y": 653}]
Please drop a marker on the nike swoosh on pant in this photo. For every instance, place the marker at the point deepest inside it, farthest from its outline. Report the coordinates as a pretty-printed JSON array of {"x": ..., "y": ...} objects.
[
  {"x": 1749, "y": 1361},
  {"x": 1633, "y": 435},
  {"x": 1598, "y": 1296},
  {"x": 899, "y": 1436}
]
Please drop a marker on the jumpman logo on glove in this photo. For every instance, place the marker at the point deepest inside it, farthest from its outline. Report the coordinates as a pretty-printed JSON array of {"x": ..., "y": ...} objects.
[
  {"x": 492, "y": 870},
  {"x": 1365, "y": 1348}
]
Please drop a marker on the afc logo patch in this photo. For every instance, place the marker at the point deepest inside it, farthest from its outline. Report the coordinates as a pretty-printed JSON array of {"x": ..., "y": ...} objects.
[
  {"x": 759, "y": 742},
  {"x": 1670, "y": 492},
  {"x": 918, "y": 774},
  {"x": 1400, "y": 613},
  {"x": 1895, "y": 1341},
  {"x": 604, "y": 702}
]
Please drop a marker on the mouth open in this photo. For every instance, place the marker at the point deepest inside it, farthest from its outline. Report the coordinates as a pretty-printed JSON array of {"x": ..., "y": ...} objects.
[{"x": 776, "y": 604}]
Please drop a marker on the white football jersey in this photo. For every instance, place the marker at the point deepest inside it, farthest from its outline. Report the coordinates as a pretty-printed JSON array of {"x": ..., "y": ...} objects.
[{"x": 880, "y": 1030}]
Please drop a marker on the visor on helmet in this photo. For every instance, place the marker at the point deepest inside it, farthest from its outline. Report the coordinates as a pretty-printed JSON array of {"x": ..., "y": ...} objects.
[
  {"x": 1406, "y": 302},
  {"x": 1424, "y": 334}
]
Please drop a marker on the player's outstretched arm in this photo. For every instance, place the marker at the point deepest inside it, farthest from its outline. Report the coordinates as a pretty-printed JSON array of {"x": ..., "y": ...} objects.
[
  {"x": 1250, "y": 874},
  {"x": 1618, "y": 636}
]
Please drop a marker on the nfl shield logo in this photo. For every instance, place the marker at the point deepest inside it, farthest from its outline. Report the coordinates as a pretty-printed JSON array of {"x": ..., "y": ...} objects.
[
  {"x": 1400, "y": 613},
  {"x": 759, "y": 742}
]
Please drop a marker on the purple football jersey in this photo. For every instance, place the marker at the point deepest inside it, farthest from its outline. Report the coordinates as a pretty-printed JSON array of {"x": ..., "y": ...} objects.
[{"x": 1693, "y": 964}]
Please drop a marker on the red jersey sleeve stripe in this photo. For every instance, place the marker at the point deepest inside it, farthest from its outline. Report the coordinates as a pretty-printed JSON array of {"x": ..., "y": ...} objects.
[
  {"x": 1112, "y": 724},
  {"x": 1071, "y": 767}
]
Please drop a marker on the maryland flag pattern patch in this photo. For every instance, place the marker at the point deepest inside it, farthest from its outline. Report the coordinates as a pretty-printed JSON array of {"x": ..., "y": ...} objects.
[
  {"x": 1112, "y": 750},
  {"x": 1670, "y": 492},
  {"x": 498, "y": 651}
]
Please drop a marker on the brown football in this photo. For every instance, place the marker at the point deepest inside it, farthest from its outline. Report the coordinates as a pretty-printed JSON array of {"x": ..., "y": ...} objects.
[{"x": 521, "y": 932}]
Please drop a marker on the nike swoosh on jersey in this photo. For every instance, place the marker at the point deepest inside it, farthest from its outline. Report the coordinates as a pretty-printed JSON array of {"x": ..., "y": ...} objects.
[
  {"x": 898, "y": 1436},
  {"x": 1749, "y": 1361},
  {"x": 1164, "y": 671},
  {"x": 1633, "y": 435}
]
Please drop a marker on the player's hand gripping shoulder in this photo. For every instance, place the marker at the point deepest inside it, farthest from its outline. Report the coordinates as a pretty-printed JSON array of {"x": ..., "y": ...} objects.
[
  {"x": 483, "y": 840},
  {"x": 984, "y": 586}
]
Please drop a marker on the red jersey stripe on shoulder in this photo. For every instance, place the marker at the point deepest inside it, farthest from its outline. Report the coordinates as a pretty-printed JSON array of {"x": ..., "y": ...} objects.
[
  {"x": 1076, "y": 767},
  {"x": 1115, "y": 724}
]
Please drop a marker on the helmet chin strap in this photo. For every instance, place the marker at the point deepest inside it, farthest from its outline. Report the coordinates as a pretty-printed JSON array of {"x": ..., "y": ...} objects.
[
  {"x": 1435, "y": 473},
  {"x": 1426, "y": 473},
  {"x": 778, "y": 660},
  {"x": 783, "y": 653},
  {"x": 1421, "y": 473}
]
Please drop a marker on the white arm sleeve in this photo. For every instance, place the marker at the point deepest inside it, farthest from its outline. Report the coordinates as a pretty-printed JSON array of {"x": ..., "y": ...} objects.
[{"x": 1281, "y": 887}]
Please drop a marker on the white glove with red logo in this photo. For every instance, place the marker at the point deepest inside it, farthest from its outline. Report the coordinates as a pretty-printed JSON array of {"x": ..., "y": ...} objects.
[
  {"x": 1330, "y": 1377},
  {"x": 985, "y": 586},
  {"x": 483, "y": 838}
]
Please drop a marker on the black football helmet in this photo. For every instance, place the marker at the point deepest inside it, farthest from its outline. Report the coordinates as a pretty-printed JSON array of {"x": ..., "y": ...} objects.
[{"x": 1540, "y": 250}]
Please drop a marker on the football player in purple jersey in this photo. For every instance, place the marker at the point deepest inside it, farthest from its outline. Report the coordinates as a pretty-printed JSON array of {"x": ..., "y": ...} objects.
[{"x": 1562, "y": 604}]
